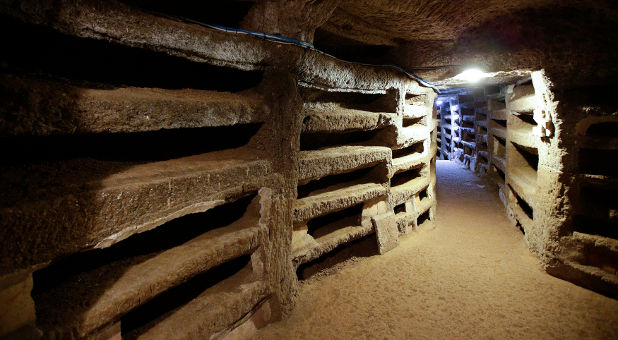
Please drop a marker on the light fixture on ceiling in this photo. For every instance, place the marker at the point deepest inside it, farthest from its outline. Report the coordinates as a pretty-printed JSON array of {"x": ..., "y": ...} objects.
[
  {"x": 472, "y": 75},
  {"x": 438, "y": 102}
]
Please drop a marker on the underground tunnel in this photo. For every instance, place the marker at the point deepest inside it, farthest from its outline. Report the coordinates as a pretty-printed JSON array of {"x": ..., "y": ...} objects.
[{"x": 239, "y": 169}]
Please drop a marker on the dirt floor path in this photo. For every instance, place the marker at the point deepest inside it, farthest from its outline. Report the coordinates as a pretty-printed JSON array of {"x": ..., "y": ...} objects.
[{"x": 470, "y": 277}]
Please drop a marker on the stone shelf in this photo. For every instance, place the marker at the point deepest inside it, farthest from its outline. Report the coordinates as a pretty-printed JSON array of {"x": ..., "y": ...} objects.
[
  {"x": 412, "y": 161},
  {"x": 497, "y": 130},
  {"x": 523, "y": 182},
  {"x": 336, "y": 199},
  {"x": 522, "y": 99},
  {"x": 499, "y": 114},
  {"x": 218, "y": 307},
  {"x": 139, "y": 196},
  {"x": 330, "y": 118},
  {"x": 129, "y": 26},
  {"x": 310, "y": 248},
  {"x": 404, "y": 219},
  {"x": 126, "y": 283},
  {"x": 417, "y": 111},
  {"x": 126, "y": 109},
  {"x": 408, "y": 190},
  {"x": 336, "y": 160},
  {"x": 523, "y": 136},
  {"x": 499, "y": 162}
]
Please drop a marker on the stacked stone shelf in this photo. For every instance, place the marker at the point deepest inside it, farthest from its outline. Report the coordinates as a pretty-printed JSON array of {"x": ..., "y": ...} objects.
[
  {"x": 342, "y": 168},
  {"x": 438, "y": 112},
  {"x": 147, "y": 139},
  {"x": 412, "y": 193},
  {"x": 595, "y": 225},
  {"x": 467, "y": 131},
  {"x": 496, "y": 140},
  {"x": 98, "y": 288},
  {"x": 522, "y": 158},
  {"x": 481, "y": 135}
]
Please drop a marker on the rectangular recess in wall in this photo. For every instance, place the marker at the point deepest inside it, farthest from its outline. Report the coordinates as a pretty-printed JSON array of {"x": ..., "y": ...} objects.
[
  {"x": 525, "y": 207},
  {"x": 334, "y": 182},
  {"x": 320, "y": 140},
  {"x": 598, "y": 162},
  {"x": 596, "y": 226},
  {"x": 422, "y": 218},
  {"x": 141, "y": 319},
  {"x": 400, "y": 208},
  {"x": 530, "y": 155},
  {"x": 500, "y": 122},
  {"x": 528, "y": 119},
  {"x": 324, "y": 225},
  {"x": 370, "y": 102},
  {"x": 406, "y": 176},
  {"x": 409, "y": 121},
  {"x": 416, "y": 148},
  {"x": 134, "y": 147},
  {"x": 46, "y": 53},
  {"x": 605, "y": 129},
  {"x": 500, "y": 172}
]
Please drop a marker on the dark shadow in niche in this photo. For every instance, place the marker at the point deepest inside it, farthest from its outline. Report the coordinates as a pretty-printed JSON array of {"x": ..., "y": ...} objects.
[
  {"x": 331, "y": 262},
  {"x": 324, "y": 225},
  {"x": 349, "y": 49},
  {"x": 375, "y": 174},
  {"x": 598, "y": 162},
  {"x": 144, "y": 317},
  {"x": 529, "y": 154},
  {"x": 46, "y": 53},
  {"x": 606, "y": 129}
]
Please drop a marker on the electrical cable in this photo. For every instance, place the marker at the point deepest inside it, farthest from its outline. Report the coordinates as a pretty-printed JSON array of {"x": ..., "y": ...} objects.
[{"x": 296, "y": 42}]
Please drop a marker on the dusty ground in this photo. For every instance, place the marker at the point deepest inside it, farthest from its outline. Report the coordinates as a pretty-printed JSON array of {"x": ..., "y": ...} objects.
[{"x": 471, "y": 277}]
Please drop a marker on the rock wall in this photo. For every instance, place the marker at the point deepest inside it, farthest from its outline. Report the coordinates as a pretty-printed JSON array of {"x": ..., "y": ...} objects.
[{"x": 163, "y": 179}]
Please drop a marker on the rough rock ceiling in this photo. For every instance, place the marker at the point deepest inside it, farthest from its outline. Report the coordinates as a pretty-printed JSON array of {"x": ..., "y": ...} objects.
[{"x": 574, "y": 40}]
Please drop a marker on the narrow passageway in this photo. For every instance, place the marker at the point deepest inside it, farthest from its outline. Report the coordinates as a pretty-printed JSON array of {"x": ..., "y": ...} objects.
[{"x": 472, "y": 276}]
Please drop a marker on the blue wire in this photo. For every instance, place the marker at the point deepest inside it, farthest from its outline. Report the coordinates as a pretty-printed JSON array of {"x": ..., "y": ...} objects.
[{"x": 306, "y": 45}]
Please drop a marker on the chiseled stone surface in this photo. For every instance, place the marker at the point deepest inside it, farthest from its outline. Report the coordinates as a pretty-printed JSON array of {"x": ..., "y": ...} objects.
[{"x": 386, "y": 231}]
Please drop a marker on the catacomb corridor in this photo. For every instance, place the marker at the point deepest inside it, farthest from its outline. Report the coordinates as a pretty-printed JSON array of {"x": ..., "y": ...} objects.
[{"x": 308, "y": 169}]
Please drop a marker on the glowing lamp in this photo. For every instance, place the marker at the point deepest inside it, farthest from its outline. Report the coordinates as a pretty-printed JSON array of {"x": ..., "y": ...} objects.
[{"x": 472, "y": 75}]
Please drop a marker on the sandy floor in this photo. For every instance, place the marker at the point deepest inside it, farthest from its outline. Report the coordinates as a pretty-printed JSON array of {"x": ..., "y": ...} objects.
[{"x": 471, "y": 277}]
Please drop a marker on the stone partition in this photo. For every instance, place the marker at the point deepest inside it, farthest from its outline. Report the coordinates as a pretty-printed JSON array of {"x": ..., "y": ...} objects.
[{"x": 166, "y": 180}]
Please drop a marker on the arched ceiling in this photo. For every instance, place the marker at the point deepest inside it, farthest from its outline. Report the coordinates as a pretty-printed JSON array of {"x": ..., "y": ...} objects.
[{"x": 572, "y": 39}]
